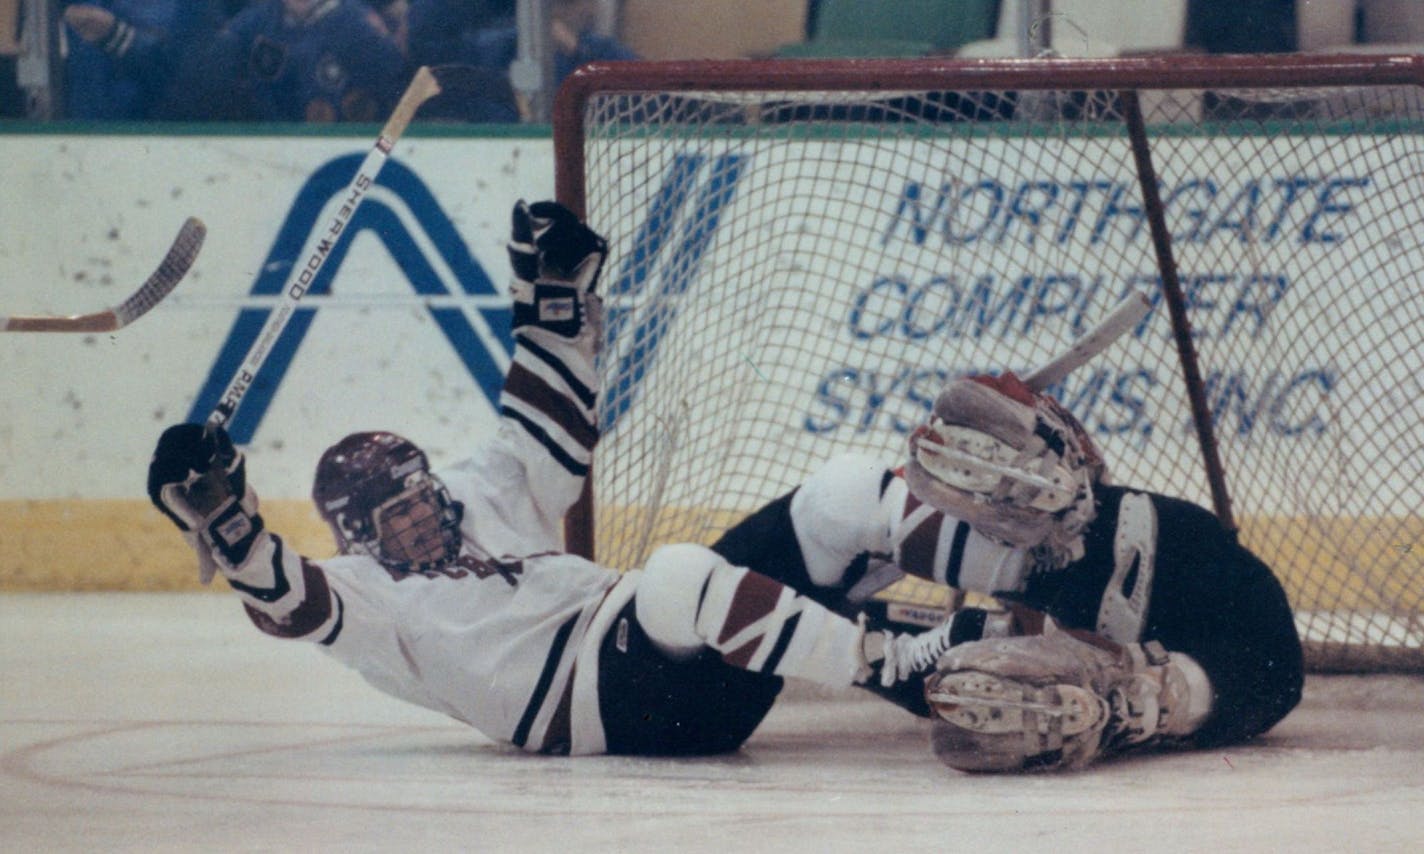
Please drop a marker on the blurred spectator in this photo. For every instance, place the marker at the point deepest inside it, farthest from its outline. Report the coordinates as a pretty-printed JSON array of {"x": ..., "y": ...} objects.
[
  {"x": 570, "y": 29},
  {"x": 11, "y": 100},
  {"x": 300, "y": 60},
  {"x": 1241, "y": 26},
  {"x": 124, "y": 53},
  {"x": 441, "y": 31},
  {"x": 393, "y": 17},
  {"x": 576, "y": 39},
  {"x": 483, "y": 33}
]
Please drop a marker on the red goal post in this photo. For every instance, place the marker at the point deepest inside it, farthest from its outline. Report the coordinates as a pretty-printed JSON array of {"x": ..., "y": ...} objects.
[{"x": 804, "y": 250}]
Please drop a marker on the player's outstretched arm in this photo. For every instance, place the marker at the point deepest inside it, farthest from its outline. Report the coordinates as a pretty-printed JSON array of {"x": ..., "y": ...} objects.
[
  {"x": 198, "y": 479},
  {"x": 548, "y": 403}
]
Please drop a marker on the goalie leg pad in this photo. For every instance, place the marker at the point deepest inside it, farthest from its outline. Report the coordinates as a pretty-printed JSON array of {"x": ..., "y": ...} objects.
[
  {"x": 1020, "y": 704},
  {"x": 1055, "y": 701},
  {"x": 986, "y": 723},
  {"x": 1010, "y": 462}
]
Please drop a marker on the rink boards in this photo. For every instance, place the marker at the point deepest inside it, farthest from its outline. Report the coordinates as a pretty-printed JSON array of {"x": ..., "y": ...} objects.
[{"x": 406, "y": 335}]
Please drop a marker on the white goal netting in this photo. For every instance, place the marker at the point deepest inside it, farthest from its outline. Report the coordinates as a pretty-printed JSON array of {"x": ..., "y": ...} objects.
[{"x": 798, "y": 264}]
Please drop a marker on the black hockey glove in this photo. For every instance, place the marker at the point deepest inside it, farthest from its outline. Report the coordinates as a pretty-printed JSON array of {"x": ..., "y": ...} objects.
[
  {"x": 199, "y": 480},
  {"x": 556, "y": 261}
]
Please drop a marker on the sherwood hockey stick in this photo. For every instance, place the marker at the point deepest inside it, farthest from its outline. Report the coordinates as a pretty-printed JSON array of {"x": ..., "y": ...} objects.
[
  {"x": 170, "y": 272},
  {"x": 426, "y": 84},
  {"x": 1126, "y": 315}
]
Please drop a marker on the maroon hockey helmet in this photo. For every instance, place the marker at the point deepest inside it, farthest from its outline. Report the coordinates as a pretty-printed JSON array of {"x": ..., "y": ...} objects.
[{"x": 377, "y": 493}]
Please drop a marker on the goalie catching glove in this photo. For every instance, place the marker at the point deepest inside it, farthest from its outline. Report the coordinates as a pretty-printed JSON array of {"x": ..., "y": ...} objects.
[
  {"x": 556, "y": 261},
  {"x": 199, "y": 480},
  {"x": 1011, "y": 462}
]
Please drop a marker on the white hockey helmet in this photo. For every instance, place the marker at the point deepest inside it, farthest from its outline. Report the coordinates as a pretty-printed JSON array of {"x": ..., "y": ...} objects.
[
  {"x": 376, "y": 492},
  {"x": 1011, "y": 462}
]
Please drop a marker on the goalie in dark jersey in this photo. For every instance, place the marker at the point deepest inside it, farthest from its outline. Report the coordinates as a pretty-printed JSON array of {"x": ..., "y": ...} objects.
[{"x": 1134, "y": 619}]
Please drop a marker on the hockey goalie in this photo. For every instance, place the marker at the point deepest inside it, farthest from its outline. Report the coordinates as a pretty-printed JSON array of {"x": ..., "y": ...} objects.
[{"x": 1133, "y": 619}]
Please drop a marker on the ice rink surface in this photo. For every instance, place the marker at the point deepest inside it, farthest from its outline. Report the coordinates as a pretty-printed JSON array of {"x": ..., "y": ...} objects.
[{"x": 164, "y": 722}]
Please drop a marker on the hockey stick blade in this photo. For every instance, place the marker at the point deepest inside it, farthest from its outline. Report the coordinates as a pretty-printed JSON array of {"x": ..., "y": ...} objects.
[
  {"x": 1122, "y": 318},
  {"x": 170, "y": 272},
  {"x": 427, "y": 83}
]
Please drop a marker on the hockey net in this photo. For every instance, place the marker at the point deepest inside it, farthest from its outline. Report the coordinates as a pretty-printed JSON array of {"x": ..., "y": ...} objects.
[{"x": 803, "y": 251}]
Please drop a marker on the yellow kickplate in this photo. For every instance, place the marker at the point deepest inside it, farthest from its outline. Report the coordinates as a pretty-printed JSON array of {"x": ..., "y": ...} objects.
[{"x": 120, "y": 544}]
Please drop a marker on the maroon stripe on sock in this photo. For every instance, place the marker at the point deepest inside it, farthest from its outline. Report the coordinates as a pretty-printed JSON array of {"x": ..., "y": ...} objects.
[
  {"x": 755, "y": 598},
  {"x": 310, "y": 615},
  {"x": 525, "y": 385},
  {"x": 742, "y": 656}
]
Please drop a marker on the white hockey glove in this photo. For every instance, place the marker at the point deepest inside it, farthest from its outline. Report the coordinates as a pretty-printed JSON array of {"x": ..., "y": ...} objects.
[
  {"x": 199, "y": 480},
  {"x": 556, "y": 261}
]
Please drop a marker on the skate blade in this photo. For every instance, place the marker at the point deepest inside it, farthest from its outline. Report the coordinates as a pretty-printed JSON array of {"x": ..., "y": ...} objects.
[{"x": 987, "y": 704}]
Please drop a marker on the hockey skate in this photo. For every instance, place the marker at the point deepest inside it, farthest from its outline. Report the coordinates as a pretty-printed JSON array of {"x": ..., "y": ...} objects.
[
  {"x": 1052, "y": 701},
  {"x": 909, "y": 651},
  {"x": 897, "y": 662}
]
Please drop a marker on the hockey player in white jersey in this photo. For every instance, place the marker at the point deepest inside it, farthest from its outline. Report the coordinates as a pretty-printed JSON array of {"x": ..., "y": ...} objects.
[
  {"x": 451, "y": 590},
  {"x": 1134, "y": 619}
]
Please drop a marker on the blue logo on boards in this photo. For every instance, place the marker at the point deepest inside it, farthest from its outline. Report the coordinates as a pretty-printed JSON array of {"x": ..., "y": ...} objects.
[
  {"x": 483, "y": 347},
  {"x": 666, "y": 260}
]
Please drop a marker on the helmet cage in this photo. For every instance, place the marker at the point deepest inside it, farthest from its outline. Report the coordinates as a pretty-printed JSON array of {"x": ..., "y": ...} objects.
[
  {"x": 417, "y": 528},
  {"x": 377, "y": 494}
]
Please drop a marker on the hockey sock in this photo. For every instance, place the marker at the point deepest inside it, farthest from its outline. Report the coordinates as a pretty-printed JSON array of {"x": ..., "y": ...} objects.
[{"x": 760, "y": 625}]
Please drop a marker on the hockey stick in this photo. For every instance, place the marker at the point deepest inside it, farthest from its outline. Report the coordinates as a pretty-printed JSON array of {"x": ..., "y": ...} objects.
[
  {"x": 426, "y": 84},
  {"x": 169, "y": 273},
  {"x": 1127, "y": 315},
  {"x": 1175, "y": 300}
]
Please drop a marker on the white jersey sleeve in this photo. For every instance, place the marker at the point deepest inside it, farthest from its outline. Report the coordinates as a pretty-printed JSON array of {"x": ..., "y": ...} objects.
[
  {"x": 519, "y": 484},
  {"x": 488, "y": 642},
  {"x": 548, "y": 410}
]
